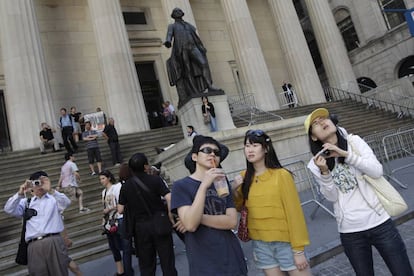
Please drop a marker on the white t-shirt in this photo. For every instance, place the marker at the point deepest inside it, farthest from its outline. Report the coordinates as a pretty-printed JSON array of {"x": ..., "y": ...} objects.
[
  {"x": 171, "y": 109},
  {"x": 68, "y": 174},
  {"x": 110, "y": 197}
]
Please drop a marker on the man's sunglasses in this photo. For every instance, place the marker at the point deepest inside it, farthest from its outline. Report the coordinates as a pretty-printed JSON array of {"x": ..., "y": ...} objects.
[{"x": 208, "y": 150}]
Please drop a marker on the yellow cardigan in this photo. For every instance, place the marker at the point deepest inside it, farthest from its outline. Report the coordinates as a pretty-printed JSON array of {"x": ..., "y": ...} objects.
[{"x": 274, "y": 210}]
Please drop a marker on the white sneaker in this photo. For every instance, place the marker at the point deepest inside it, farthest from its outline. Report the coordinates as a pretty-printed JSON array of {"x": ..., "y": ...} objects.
[{"x": 84, "y": 210}]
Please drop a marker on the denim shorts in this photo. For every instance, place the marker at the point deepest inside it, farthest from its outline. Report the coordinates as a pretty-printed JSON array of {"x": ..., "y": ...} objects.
[{"x": 268, "y": 255}]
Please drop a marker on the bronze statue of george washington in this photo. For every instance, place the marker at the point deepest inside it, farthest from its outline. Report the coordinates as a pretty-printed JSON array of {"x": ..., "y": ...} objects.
[{"x": 187, "y": 67}]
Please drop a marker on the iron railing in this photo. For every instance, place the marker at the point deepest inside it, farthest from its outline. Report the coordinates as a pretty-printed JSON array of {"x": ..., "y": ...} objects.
[
  {"x": 336, "y": 94},
  {"x": 244, "y": 108}
]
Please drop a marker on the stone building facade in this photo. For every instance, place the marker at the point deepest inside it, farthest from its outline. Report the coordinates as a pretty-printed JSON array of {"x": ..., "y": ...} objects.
[{"x": 109, "y": 54}]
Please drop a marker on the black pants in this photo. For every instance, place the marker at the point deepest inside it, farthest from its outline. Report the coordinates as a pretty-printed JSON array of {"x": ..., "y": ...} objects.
[
  {"x": 67, "y": 135},
  {"x": 115, "y": 152},
  {"x": 148, "y": 244}
]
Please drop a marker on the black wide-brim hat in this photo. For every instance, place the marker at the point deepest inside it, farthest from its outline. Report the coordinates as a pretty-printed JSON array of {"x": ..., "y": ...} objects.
[{"x": 198, "y": 141}]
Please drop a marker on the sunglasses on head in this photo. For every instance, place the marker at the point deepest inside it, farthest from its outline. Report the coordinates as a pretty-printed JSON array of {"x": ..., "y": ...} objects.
[
  {"x": 208, "y": 150},
  {"x": 258, "y": 133},
  {"x": 255, "y": 132}
]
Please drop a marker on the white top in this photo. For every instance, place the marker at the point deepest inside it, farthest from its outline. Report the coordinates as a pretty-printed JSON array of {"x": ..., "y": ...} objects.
[
  {"x": 356, "y": 205},
  {"x": 171, "y": 108},
  {"x": 68, "y": 174},
  {"x": 48, "y": 219},
  {"x": 111, "y": 198}
]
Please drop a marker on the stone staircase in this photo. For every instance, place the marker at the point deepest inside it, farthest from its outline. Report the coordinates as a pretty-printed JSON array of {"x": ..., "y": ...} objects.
[
  {"x": 356, "y": 117},
  {"x": 84, "y": 229}
]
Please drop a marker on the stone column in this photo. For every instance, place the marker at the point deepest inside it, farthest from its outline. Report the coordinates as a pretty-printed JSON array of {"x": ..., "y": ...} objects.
[
  {"x": 298, "y": 59},
  {"x": 331, "y": 46},
  {"x": 249, "y": 56},
  {"x": 120, "y": 79},
  {"x": 184, "y": 5},
  {"x": 27, "y": 95}
]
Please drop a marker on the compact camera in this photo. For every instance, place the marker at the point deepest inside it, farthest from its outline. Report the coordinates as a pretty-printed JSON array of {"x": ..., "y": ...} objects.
[
  {"x": 324, "y": 153},
  {"x": 36, "y": 182}
]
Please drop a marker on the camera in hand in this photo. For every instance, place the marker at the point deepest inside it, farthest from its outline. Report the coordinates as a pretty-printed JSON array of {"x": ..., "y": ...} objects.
[
  {"x": 36, "y": 182},
  {"x": 324, "y": 153},
  {"x": 29, "y": 213}
]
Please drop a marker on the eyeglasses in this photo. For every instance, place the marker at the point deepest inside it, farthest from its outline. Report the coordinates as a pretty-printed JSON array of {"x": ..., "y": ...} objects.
[
  {"x": 255, "y": 132},
  {"x": 208, "y": 150}
]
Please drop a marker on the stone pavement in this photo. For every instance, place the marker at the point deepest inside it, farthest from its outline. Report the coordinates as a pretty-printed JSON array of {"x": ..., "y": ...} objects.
[{"x": 325, "y": 252}]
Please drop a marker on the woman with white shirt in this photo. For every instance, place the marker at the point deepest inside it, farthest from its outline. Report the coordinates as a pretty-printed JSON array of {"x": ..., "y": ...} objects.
[
  {"x": 338, "y": 164},
  {"x": 110, "y": 198}
]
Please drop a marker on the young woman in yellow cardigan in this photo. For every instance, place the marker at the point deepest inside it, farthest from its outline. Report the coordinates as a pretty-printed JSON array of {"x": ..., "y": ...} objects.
[{"x": 275, "y": 219}]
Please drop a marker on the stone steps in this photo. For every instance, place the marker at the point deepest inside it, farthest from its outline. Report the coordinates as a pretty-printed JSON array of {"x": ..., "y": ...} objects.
[
  {"x": 84, "y": 229},
  {"x": 354, "y": 116}
]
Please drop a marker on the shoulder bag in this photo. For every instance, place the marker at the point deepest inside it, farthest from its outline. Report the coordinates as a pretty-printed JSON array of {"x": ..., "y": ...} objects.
[
  {"x": 21, "y": 256},
  {"x": 160, "y": 220},
  {"x": 242, "y": 231},
  {"x": 389, "y": 197},
  {"x": 207, "y": 117}
]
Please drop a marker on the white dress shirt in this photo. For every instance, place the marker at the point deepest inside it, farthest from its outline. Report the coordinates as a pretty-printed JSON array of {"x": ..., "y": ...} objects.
[{"x": 48, "y": 219}]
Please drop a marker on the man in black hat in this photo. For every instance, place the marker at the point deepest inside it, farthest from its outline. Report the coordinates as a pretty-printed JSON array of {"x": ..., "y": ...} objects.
[
  {"x": 47, "y": 253},
  {"x": 211, "y": 246}
]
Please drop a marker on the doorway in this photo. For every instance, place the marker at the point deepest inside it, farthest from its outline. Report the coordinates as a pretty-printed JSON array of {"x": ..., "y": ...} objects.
[
  {"x": 4, "y": 128},
  {"x": 151, "y": 92}
]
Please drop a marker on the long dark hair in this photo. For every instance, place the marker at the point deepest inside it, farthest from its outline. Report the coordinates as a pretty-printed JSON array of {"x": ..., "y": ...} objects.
[
  {"x": 271, "y": 160},
  {"x": 108, "y": 174},
  {"x": 316, "y": 146}
]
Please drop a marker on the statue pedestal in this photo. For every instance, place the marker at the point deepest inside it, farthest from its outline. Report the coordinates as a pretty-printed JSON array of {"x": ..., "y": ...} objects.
[{"x": 190, "y": 114}]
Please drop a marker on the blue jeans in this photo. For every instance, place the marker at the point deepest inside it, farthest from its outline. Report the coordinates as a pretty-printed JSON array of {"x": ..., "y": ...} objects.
[
  {"x": 213, "y": 124},
  {"x": 387, "y": 240},
  {"x": 126, "y": 248}
]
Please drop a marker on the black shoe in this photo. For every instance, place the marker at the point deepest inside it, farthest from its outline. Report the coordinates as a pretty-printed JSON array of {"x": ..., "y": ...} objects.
[
  {"x": 43, "y": 152},
  {"x": 158, "y": 165},
  {"x": 158, "y": 150}
]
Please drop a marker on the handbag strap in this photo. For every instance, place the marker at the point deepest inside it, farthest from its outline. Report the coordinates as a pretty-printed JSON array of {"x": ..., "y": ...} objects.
[
  {"x": 23, "y": 234},
  {"x": 355, "y": 150},
  {"x": 141, "y": 185}
]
